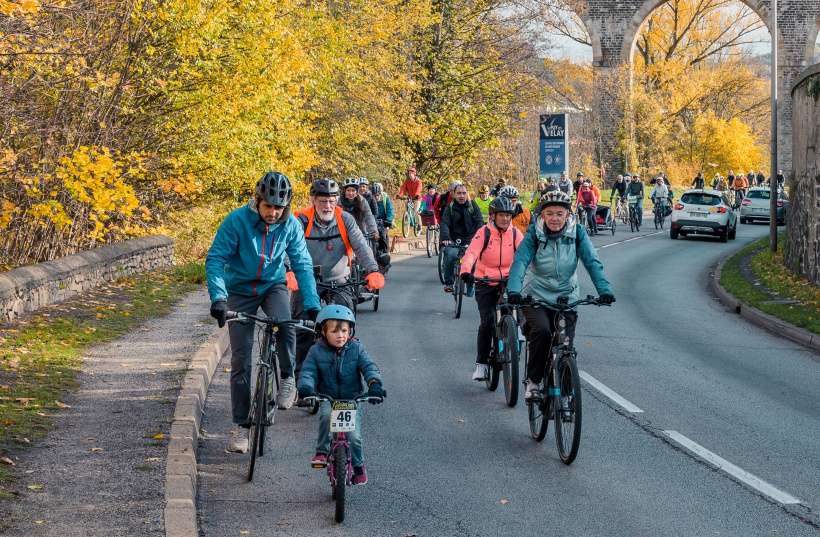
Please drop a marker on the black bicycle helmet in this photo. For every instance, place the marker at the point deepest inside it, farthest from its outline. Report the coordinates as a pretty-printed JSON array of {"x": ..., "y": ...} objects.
[
  {"x": 324, "y": 187},
  {"x": 376, "y": 189},
  {"x": 555, "y": 197},
  {"x": 501, "y": 205},
  {"x": 275, "y": 189}
]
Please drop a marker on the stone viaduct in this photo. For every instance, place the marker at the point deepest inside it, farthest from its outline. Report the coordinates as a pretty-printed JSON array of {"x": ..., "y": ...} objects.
[{"x": 614, "y": 26}]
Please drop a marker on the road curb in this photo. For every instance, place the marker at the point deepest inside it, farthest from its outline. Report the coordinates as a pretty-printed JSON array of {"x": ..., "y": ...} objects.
[
  {"x": 769, "y": 322},
  {"x": 180, "y": 464}
]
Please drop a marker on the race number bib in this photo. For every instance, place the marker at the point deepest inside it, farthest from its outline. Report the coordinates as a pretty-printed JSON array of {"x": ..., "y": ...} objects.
[{"x": 343, "y": 417}]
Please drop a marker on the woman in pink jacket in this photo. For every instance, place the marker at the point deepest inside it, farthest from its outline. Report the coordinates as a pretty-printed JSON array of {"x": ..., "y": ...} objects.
[{"x": 490, "y": 255}]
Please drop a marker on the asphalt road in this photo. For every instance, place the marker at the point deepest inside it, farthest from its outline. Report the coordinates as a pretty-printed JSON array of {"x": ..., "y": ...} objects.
[{"x": 446, "y": 457}]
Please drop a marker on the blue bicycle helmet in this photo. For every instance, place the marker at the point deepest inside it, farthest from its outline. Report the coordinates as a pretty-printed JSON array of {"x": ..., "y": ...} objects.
[{"x": 335, "y": 311}]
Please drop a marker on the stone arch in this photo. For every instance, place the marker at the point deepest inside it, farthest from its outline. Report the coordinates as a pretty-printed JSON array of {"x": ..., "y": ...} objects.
[
  {"x": 814, "y": 31},
  {"x": 595, "y": 39},
  {"x": 646, "y": 9}
]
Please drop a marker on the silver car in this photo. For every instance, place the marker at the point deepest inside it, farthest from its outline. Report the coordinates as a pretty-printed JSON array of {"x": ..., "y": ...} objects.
[
  {"x": 704, "y": 212},
  {"x": 755, "y": 205}
]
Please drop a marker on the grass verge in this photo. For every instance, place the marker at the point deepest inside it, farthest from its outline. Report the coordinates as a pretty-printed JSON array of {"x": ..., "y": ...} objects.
[
  {"x": 769, "y": 270},
  {"x": 41, "y": 354}
]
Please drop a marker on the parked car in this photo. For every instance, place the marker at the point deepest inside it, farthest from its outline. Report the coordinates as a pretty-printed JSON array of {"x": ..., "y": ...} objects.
[
  {"x": 755, "y": 205},
  {"x": 704, "y": 212}
]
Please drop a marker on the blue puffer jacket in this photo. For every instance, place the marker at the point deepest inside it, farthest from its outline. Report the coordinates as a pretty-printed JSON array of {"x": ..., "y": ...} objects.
[
  {"x": 341, "y": 374},
  {"x": 246, "y": 257},
  {"x": 546, "y": 268}
]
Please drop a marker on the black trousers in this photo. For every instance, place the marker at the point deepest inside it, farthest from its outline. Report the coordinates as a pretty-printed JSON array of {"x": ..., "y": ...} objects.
[
  {"x": 486, "y": 296},
  {"x": 541, "y": 323}
]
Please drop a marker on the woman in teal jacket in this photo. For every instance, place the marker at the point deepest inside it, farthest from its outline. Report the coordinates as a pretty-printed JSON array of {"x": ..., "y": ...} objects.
[{"x": 545, "y": 266}]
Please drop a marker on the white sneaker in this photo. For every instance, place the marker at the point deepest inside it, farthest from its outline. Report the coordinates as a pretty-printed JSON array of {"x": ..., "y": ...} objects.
[
  {"x": 239, "y": 443},
  {"x": 480, "y": 372},
  {"x": 531, "y": 387},
  {"x": 287, "y": 393}
]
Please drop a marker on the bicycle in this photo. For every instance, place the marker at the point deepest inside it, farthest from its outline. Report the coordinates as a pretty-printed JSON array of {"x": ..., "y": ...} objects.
[
  {"x": 410, "y": 220},
  {"x": 581, "y": 214},
  {"x": 458, "y": 283},
  {"x": 659, "y": 212},
  {"x": 621, "y": 210},
  {"x": 506, "y": 346},
  {"x": 263, "y": 403},
  {"x": 634, "y": 221},
  {"x": 441, "y": 264},
  {"x": 561, "y": 382},
  {"x": 339, "y": 465}
]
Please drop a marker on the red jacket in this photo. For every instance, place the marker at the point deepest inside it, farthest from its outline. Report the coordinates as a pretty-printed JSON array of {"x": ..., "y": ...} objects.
[
  {"x": 495, "y": 261},
  {"x": 412, "y": 187},
  {"x": 586, "y": 199}
]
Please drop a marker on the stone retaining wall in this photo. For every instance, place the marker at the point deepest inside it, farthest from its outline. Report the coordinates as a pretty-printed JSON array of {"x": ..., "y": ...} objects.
[
  {"x": 802, "y": 248},
  {"x": 27, "y": 288}
]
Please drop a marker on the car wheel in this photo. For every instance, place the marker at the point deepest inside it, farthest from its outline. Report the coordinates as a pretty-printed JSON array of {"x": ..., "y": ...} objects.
[
  {"x": 724, "y": 235},
  {"x": 733, "y": 233},
  {"x": 673, "y": 234},
  {"x": 742, "y": 220}
]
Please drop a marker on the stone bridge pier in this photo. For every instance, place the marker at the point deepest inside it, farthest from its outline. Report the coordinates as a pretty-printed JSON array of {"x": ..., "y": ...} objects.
[{"x": 614, "y": 25}]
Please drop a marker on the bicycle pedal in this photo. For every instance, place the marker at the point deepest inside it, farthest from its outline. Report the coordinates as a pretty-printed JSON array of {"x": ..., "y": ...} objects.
[{"x": 318, "y": 465}]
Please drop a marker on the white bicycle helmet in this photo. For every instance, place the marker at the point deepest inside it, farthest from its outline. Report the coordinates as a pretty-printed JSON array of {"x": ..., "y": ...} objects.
[
  {"x": 508, "y": 191},
  {"x": 350, "y": 181}
]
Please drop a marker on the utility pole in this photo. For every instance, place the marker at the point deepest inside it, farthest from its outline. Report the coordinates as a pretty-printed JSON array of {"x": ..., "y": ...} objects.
[{"x": 773, "y": 167}]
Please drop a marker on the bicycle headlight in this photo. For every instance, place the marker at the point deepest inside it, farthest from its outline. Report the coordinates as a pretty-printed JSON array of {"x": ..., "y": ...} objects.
[{"x": 562, "y": 323}]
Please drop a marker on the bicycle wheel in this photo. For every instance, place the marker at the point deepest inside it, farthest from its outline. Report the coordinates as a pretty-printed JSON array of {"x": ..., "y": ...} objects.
[
  {"x": 539, "y": 412},
  {"x": 509, "y": 356},
  {"x": 435, "y": 240},
  {"x": 376, "y": 300},
  {"x": 657, "y": 220},
  {"x": 405, "y": 225},
  {"x": 441, "y": 265},
  {"x": 632, "y": 223},
  {"x": 430, "y": 237},
  {"x": 257, "y": 418},
  {"x": 340, "y": 480},
  {"x": 491, "y": 380},
  {"x": 458, "y": 294},
  {"x": 416, "y": 224},
  {"x": 568, "y": 413}
]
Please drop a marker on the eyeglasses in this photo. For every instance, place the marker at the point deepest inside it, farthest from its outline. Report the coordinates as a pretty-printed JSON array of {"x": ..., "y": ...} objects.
[{"x": 328, "y": 201}]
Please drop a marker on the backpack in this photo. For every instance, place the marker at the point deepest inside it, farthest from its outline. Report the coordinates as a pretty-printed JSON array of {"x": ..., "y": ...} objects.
[
  {"x": 487, "y": 240},
  {"x": 577, "y": 240},
  {"x": 471, "y": 209}
]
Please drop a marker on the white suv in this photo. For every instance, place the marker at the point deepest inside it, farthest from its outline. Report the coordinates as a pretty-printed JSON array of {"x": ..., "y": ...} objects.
[{"x": 707, "y": 212}]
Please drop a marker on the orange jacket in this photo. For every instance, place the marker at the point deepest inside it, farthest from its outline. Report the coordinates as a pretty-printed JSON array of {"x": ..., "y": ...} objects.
[
  {"x": 496, "y": 259},
  {"x": 412, "y": 187},
  {"x": 740, "y": 182},
  {"x": 522, "y": 220}
]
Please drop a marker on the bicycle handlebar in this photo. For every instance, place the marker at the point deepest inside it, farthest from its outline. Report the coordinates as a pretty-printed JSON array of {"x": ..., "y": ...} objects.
[
  {"x": 298, "y": 323},
  {"x": 335, "y": 285},
  {"x": 590, "y": 299},
  {"x": 320, "y": 398}
]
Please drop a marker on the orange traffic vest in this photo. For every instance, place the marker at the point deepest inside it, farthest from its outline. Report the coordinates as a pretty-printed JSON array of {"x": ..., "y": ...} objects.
[{"x": 310, "y": 212}]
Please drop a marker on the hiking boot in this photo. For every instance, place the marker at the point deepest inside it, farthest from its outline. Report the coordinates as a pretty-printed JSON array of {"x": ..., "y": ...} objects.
[
  {"x": 470, "y": 290},
  {"x": 480, "y": 372},
  {"x": 448, "y": 288},
  {"x": 531, "y": 391},
  {"x": 287, "y": 393},
  {"x": 239, "y": 443}
]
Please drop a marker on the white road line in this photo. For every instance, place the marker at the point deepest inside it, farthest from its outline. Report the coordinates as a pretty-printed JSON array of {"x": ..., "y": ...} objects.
[
  {"x": 627, "y": 240},
  {"x": 595, "y": 383},
  {"x": 726, "y": 466}
]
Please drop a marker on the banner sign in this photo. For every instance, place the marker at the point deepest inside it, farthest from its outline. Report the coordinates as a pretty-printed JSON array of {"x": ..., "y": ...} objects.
[{"x": 552, "y": 130}]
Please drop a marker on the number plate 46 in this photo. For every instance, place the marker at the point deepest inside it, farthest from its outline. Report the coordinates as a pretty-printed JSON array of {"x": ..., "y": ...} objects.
[{"x": 343, "y": 417}]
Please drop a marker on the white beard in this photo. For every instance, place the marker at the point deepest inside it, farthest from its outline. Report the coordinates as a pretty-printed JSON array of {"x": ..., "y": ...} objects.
[{"x": 325, "y": 218}]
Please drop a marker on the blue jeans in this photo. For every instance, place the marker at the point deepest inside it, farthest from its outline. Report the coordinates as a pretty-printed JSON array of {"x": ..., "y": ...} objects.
[
  {"x": 450, "y": 258},
  {"x": 354, "y": 438},
  {"x": 639, "y": 210}
]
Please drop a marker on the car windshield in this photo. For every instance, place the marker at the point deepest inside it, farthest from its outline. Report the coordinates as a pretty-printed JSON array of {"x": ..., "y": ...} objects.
[
  {"x": 759, "y": 195},
  {"x": 700, "y": 199}
]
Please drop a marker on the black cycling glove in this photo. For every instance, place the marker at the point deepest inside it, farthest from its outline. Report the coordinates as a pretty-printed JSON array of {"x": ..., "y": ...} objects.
[
  {"x": 606, "y": 299},
  {"x": 376, "y": 390},
  {"x": 219, "y": 311},
  {"x": 515, "y": 298},
  {"x": 467, "y": 278}
]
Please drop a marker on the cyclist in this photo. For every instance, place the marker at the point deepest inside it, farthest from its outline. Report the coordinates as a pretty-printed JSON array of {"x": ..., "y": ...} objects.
[
  {"x": 760, "y": 180},
  {"x": 579, "y": 180},
  {"x": 619, "y": 188},
  {"x": 740, "y": 185},
  {"x": 594, "y": 188},
  {"x": 364, "y": 192},
  {"x": 332, "y": 238},
  {"x": 551, "y": 186},
  {"x": 459, "y": 220},
  {"x": 384, "y": 221},
  {"x": 750, "y": 178},
  {"x": 589, "y": 203},
  {"x": 497, "y": 188},
  {"x": 722, "y": 185},
  {"x": 715, "y": 180},
  {"x": 545, "y": 266},
  {"x": 412, "y": 187},
  {"x": 540, "y": 190},
  {"x": 636, "y": 188},
  {"x": 564, "y": 185},
  {"x": 521, "y": 215},
  {"x": 730, "y": 179},
  {"x": 430, "y": 201},
  {"x": 445, "y": 199},
  {"x": 246, "y": 270},
  {"x": 491, "y": 253},
  {"x": 338, "y": 366},
  {"x": 659, "y": 194},
  {"x": 699, "y": 181},
  {"x": 483, "y": 201},
  {"x": 354, "y": 203}
]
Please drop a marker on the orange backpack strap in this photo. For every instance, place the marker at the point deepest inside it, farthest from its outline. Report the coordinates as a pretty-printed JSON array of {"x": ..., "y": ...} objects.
[
  {"x": 343, "y": 231},
  {"x": 309, "y": 213}
]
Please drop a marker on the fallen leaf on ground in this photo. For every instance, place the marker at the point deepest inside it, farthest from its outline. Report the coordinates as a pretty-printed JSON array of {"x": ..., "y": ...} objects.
[
  {"x": 61, "y": 405},
  {"x": 8, "y": 461},
  {"x": 159, "y": 436},
  {"x": 168, "y": 364},
  {"x": 244, "y": 533},
  {"x": 127, "y": 365},
  {"x": 182, "y": 305},
  {"x": 462, "y": 421},
  {"x": 281, "y": 523},
  {"x": 39, "y": 521},
  {"x": 503, "y": 502},
  {"x": 586, "y": 344},
  {"x": 96, "y": 449},
  {"x": 152, "y": 459},
  {"x": 145, "y": 329},
  {"x": 35, "y": 487}
]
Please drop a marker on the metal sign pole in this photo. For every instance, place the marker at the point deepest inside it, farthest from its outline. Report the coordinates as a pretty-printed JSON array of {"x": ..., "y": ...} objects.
[{"x": 773, "y": 168}]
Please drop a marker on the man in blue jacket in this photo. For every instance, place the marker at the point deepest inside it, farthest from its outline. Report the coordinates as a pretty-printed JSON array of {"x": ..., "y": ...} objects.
[{"x": 246, "y": 271}]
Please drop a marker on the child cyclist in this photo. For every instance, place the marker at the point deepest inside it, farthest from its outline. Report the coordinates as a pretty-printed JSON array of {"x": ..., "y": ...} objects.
[{"x": 338, "y": 366}]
